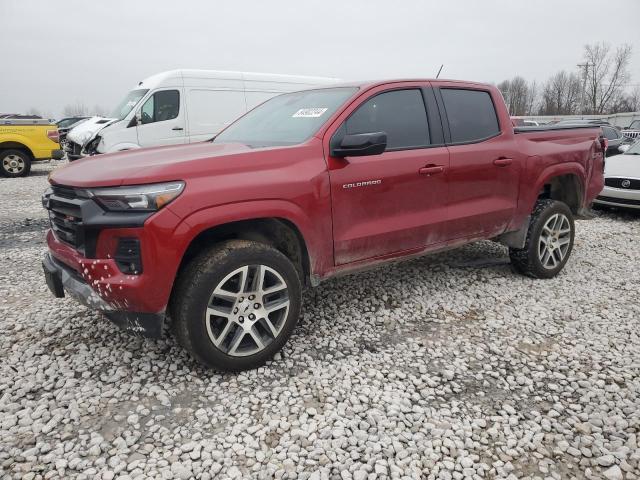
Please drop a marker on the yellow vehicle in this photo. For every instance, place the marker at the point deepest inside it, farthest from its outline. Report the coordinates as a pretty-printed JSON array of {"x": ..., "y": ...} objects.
[{"x": 25, "y": 141}]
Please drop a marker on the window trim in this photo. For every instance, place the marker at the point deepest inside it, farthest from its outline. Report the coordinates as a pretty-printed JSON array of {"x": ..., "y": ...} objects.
[
  {"x": 445, "y": 118},
  {"x": 176, "y": 89},
  {"x": 397, "y": 149}
]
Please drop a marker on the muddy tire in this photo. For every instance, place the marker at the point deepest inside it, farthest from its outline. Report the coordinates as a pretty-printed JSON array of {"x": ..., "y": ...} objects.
[
  {"x": 14, "y": 163},
  {"x": 236, "y": 304},
  {"x": 549, "y": 241}
]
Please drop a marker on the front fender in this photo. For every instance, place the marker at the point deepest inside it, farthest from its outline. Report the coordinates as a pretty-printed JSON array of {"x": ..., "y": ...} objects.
[{"x": 315, "y": 235}]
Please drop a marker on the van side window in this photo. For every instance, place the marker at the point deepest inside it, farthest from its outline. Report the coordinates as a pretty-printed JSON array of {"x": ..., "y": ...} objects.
[
  {"x": 161, "y": 106},
  {"x": 471, "y": 114},
  {"x": 399, "y": 113}
]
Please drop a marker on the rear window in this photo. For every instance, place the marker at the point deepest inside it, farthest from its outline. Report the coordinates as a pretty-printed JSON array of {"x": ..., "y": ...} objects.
[{"x": 471, "y": 114}]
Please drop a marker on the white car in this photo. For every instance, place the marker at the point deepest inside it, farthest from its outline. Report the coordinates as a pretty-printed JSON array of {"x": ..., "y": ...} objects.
[{"x": 622, "y": 180}]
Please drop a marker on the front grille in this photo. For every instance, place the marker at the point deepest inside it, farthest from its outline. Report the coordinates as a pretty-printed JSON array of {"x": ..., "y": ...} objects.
[
  {"x": 632, "y": 134},
  {"x": 623, "y": 183},
  {"x": 65, "y": 227},
  {"x": 620, "y": 201},
  {"x": 65, "y": 214}
]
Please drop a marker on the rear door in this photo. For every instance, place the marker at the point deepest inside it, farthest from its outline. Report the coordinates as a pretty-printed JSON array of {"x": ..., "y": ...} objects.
[
  {"x": 162, "y": 119},
  {"x": 484, "y": 166},
  {"x": 396, "y": 201}
]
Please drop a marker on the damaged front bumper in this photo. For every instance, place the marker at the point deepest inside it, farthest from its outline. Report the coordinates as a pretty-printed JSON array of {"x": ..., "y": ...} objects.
[{"x": 62, "y": 279}]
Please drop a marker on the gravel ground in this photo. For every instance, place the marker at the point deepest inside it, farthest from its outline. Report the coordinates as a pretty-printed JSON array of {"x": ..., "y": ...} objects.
[{"x": 444, "y": 367}]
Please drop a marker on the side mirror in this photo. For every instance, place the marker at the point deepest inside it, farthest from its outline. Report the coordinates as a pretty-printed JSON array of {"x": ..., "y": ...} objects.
[
  {"x": 136, "y": 119},
  {"x": 624, "y": 148},
  {"x": 360, "y": 145}
]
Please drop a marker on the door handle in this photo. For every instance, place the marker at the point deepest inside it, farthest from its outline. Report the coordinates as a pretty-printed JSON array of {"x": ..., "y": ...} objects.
[
  {"x": 431, "y": 170},
  {"x": 503, "y": 162},
  {"x": 177, "y": 128}
]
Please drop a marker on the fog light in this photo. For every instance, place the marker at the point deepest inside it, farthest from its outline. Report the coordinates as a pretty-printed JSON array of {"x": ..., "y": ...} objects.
[{"x": 128, "y": 256}]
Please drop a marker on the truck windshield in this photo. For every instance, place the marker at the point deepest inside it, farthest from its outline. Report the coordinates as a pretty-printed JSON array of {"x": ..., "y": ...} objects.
[
  {"x": 287, "y": 119},
  {"x": 127, "y": 104}
]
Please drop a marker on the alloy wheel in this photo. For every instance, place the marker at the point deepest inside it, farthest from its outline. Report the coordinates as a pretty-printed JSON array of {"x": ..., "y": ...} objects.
[
  {"x": 247, "y": 310},
  {"x": 554, "y": 241}
]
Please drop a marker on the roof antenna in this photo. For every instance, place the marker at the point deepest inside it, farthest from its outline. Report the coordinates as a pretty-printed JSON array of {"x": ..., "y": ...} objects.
[{"x": 438, "y": 75}]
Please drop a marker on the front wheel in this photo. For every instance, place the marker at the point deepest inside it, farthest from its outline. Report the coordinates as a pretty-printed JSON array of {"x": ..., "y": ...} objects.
[
  {"x": 14, "y": 163},
  {"x": 236, "y": 304},
  {"x": 549, "y": 241}
]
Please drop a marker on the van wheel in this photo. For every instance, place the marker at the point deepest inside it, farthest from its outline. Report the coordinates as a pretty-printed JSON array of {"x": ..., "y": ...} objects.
[
  {"x": 236, "y": 304},
  {"x": 14, "y": 163},
  {"x": 549, "y": 241}
]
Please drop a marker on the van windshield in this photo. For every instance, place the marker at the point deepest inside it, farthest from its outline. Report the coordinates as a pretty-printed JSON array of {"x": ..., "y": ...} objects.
[
  {"x": 127, "y": 104},
  {"x": 287, "y": 119}
]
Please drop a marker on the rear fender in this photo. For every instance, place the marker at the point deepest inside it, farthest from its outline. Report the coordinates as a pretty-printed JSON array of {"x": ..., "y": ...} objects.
[{"x": 534, "y": 181}]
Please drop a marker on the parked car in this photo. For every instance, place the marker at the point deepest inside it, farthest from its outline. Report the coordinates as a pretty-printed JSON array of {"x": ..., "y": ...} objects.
[
  {"x": 615, "y": 139},
  {"x": 19, "y": 116},
  {"x": 185, "y": 106},
  {"x": 224, "y": 234},
  {"x": 66, "y": 124},
  {"x": 633, "y": 130},
  {"x": 622, "y": 180},
  {"x": 25, "y": 141}
]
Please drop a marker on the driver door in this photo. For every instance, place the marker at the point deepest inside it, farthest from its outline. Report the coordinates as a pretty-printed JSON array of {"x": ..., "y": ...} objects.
[
  {"x": 162, "y": 119},
  {"x": 396, "y": 201}
]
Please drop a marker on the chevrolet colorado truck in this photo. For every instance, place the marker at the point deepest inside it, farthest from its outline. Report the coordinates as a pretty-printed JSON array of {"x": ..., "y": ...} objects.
[
  {"x": 25, "y": 141},
  {"x": 222, "y": 236}
]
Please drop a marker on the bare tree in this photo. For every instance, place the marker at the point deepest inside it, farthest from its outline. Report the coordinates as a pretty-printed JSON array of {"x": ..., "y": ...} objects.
[
  {"x": 519, "y": 96},
  {"x": 100, "y": 111},
  {"x": 77, "y": 109},
  {"x": 34, "y": 111},
  {"x": 561, "y": 94},
  {"x": 606, "y": 75},
  {"x": 626, "y": 102}
]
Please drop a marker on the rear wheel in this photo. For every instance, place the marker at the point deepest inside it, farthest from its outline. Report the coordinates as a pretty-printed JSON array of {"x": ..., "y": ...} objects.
[
  {"x": 14, "y": 163},
  {"x": 549, "y": 241},
  {"x": 236, "y": 305}
]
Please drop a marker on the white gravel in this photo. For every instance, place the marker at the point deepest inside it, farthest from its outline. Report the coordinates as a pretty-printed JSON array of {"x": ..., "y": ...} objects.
[{"x": 445, "y": 367}]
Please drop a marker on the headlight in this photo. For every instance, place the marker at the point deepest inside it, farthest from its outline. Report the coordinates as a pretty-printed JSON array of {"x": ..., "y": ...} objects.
[{"x": 145, "y": 198}]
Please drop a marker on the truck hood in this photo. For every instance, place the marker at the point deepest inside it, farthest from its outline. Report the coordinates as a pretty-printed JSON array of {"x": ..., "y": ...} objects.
[
  {"x": 87, "y": 129},
  {"x": 624, "y": 165},
  {"x": 148, "y": 165}
]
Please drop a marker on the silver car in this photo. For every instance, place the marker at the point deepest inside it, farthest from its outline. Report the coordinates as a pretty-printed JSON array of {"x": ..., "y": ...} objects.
[{"x": 622, "y": 180}]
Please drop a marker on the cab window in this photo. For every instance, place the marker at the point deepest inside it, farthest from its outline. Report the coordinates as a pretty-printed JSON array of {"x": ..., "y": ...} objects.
[
  {"x": 161, "y": 106},
  {"x": 401, "y": 114}
]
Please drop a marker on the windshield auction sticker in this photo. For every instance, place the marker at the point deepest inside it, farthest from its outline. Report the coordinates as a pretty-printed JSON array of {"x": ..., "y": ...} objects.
[{"x": 309, "y": 113}]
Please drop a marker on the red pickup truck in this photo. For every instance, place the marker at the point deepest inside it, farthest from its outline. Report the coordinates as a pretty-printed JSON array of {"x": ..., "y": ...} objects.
[{"x": 222, "y": 236}]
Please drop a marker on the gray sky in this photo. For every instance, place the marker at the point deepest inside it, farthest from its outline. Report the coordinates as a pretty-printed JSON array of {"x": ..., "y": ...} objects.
[{"x": 56, "y": 53}]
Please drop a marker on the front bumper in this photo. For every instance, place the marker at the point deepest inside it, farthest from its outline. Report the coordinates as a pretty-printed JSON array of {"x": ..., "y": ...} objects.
[
  {"x": 62, "y": 279},
  {"x": 57, "y": 154},
  {"x": 618, "y": 197}
]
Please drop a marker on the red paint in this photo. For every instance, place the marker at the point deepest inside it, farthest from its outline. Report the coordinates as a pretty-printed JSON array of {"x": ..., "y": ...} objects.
[{"x": 426, "y": 200}]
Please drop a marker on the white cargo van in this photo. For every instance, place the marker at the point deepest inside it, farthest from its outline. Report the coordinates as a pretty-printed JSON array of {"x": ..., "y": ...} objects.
[{"x": 185, "y": 106}]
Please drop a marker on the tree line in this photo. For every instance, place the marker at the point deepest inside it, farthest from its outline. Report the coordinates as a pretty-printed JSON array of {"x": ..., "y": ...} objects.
[{"x": 601, "y": 85}]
